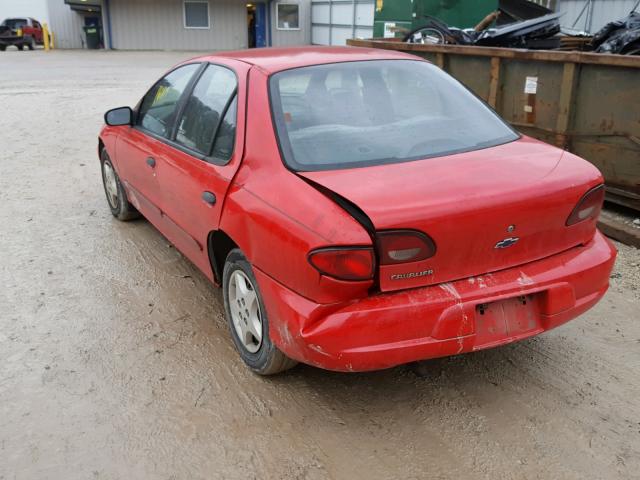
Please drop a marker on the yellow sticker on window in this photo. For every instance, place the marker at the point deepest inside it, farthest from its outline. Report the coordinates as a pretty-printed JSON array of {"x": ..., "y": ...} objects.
[{"x": 160, "y": 94}]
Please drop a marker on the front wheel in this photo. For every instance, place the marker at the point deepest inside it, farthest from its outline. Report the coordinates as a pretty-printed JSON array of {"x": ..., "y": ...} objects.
[
  {"x": 116, "y": 196},
  {"x": 247, "y": 318}
]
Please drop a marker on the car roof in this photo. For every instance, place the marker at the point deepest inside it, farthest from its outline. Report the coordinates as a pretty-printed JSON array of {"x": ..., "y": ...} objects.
[{"x": 276, "y": 59}]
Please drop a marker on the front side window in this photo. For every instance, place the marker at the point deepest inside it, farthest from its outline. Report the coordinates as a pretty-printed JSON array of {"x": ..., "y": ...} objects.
[
  {"x": 196, "y": 14},
  {"x": 206, "y": 115},
  {"x": 158, "y": 108},
  {"x": 354, "y": 114},
  {"x": 288, "y": 15}
]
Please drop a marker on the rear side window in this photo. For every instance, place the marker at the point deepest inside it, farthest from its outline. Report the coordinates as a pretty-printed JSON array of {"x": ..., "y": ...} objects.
[
  {"x": 158, "y": 109},
  {"x": 356, "y": 114},
  {"x": 209, "y": 115}
]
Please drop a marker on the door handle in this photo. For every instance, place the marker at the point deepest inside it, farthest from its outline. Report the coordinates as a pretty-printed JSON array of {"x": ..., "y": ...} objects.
[
  {"x": 151, "y": 162},
  {"x": 209, "y": 198}
]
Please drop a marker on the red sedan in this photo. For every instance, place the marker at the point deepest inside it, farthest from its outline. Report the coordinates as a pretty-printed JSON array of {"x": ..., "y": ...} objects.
[{"x": 360, "y": 208}]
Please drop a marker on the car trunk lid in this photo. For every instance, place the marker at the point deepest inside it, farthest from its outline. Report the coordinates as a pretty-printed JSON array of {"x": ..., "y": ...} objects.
[{"x": 485, "y": 210}]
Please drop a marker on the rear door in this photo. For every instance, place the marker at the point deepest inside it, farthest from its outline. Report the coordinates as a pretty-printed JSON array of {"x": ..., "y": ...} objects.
[
  {"x": 139, "y": 146},
  {"x": 202, "y": 156}
]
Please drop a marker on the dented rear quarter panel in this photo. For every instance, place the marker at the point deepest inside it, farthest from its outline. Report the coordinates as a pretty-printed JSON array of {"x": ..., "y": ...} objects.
[{"x": 276, "y": 218}]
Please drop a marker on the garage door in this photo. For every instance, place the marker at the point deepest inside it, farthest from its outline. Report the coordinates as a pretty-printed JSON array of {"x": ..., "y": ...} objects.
[{"x": 335, "y": 21}]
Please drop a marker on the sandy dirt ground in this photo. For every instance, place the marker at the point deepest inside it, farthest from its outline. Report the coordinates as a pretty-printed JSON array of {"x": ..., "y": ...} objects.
[{"x": 116, "y": 363}]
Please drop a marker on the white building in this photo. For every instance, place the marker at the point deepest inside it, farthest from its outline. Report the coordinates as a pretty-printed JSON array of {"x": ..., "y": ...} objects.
[
  {"x": 171, "y": 24},
  {"x": 212, "y": 25}
]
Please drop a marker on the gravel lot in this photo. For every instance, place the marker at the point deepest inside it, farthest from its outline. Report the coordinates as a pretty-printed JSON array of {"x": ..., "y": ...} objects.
[{"x": 115, "y": 360}]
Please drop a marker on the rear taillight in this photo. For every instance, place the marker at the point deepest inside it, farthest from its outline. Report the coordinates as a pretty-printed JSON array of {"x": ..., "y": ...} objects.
[
  {"x": 344, "y": 263},
  {"x": 589, "y": 206},
  {"x": 402, "y": 246}
]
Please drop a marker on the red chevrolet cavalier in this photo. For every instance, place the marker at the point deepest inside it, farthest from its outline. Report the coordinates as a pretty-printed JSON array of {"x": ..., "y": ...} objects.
[{"x": 360, "y": 208}]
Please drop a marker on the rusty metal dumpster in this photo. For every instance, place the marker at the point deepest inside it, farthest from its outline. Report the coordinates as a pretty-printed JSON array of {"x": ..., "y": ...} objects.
[{"x": 588, "y": 103}]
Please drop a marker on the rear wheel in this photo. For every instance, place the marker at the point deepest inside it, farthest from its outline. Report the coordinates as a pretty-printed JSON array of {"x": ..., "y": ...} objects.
[
  {"x": 247, "y": 318},
  {"x": 20, "y": 46},
  {"x": 116, "y": 196}
]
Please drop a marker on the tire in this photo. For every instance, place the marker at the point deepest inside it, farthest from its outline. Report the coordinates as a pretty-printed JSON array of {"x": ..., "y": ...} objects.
[
  {"x": 632, "y": 49},
  {"x": 260, "y": 355},
  {"x": 426, "y": 36},
  {"x": 3, "y": 48},
  {"x": 113, "y": 189},
  {"x": 20, "y": 46},
  {"x": 32, "y": 44}
]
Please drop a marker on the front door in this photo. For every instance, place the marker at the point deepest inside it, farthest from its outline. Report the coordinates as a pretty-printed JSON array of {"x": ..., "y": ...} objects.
[
  {"x": 139, "y": 147},
  {"x": 202, "y": 157}
]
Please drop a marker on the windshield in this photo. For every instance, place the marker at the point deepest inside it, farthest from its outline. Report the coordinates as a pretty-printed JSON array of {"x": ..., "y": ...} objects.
[
  {"x": 356, "y": 114},
  {"x": 15, "y": 23}
]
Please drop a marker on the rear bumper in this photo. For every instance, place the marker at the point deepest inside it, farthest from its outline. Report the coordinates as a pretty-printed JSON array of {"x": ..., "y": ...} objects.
[{"x": 395, "y": 328}]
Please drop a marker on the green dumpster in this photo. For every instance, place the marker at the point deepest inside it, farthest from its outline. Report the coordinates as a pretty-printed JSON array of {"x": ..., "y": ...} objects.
[
  {"x": 395, "y": 18},
  {"x": 392, "y": 18},
  {"x": 93, "y": 37},
  {"x": 457, "y": 13}
]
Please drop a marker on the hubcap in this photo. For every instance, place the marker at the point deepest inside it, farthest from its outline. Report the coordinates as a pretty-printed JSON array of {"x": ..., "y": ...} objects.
[
  {"x": 110, "y": 184},
  {"x": 245, "y": 311}
]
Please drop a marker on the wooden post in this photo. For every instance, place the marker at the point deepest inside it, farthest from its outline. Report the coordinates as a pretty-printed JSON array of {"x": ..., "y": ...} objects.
[
  {"x": 494, "y": 82},
  {"x": 567, "y": 94},
  {"x": 440, "y": 60}
]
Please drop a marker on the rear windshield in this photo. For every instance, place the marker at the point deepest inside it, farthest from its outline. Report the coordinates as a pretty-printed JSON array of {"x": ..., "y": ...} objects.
[
  {"x": 15, "y": 23},
  {"x": 356, "y": 114}
]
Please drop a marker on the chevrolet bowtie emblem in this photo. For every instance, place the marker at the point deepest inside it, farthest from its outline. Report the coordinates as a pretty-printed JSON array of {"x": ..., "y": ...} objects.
[{"x": 507, "y": 242}]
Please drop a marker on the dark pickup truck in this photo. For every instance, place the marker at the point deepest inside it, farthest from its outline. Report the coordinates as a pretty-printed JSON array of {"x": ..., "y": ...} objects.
[{"x": 21, "y": 32}]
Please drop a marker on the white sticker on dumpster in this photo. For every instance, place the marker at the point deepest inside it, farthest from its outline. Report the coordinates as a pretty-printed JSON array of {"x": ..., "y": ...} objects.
[
  {"x": 531, "y": 85},
  {"x": 389, "y": 29}
]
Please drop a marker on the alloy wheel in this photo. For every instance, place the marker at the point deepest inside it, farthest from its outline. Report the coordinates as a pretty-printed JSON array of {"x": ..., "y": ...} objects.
[
  {"x": 110, "y": 184},
  {"x": 245, "y": 311}
]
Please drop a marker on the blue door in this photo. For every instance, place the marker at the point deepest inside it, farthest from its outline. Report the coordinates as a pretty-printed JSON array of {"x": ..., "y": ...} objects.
[{"x": 261, "y": 25}]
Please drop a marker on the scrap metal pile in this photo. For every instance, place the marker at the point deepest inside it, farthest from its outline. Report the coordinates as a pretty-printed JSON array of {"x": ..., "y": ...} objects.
[
  {"x": 622, "y": 36},
  {"x": 543, "y": 31}
]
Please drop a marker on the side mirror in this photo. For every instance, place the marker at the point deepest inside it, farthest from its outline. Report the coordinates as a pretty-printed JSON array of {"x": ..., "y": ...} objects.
[{"x": 119, "y": 116}]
